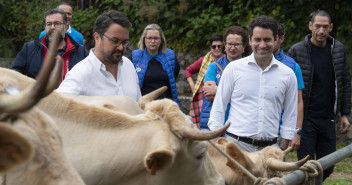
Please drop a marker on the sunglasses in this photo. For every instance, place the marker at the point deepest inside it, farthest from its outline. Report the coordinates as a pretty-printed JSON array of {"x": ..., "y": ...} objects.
[{"x": 216, "y": 46}]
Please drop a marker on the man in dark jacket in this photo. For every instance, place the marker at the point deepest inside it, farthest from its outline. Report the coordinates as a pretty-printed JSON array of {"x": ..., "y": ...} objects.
[
  {"x": 327, "y": 91},
  {"x": 30, "y": 59}
]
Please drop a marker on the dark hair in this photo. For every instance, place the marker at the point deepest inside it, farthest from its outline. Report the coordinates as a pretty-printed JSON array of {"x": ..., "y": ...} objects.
[
  {"x": 280, "y": 29},
  {"x": 111, "y": 17},
  {"x": 216, "y": 37},
  {"x": 264, "y": 22},
  {"x": 55, "y": 11},
  {"x": 319, "y": 13},
  {"x": 241, "y": 32}
]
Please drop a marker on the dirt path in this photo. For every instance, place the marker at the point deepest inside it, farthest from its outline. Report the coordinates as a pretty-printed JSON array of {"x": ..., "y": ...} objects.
[{"x": 341, "y": 175}]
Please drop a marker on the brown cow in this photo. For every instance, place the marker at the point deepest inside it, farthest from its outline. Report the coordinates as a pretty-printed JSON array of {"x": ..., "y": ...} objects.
[{"x": 265, "y": 163}]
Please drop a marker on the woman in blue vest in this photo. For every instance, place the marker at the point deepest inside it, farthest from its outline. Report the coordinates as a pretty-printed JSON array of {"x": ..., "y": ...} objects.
[
  {"x": 236, "y": 47},
  {"x": 156, "y": 65}
]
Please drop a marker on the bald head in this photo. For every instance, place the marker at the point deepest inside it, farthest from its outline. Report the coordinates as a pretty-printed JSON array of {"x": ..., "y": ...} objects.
[{"x": 68, "y": 10}]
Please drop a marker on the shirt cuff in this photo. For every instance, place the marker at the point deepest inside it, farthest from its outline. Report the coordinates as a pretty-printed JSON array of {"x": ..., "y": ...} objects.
[
  {"x": 214, "y": 125},
  {"x": 287, "y": 133}
]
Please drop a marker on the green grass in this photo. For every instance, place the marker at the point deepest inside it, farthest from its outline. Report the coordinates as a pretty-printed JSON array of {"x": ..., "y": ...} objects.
[
  {"x": 330, "y": 181},
  {"x": 343, "y": 167}
]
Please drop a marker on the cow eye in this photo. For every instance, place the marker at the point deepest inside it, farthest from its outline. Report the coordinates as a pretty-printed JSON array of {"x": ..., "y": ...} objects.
[
  {"x": 199, "y": 157},
  {"x": 9, "y": 118}
]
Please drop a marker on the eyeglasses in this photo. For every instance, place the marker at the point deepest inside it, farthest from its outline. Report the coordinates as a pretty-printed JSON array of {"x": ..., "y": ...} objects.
[
  {"x": 56, "y": 24},
  {"x": 118, "y": 42},
  {"x": 153, "y": 38},
  {"x": 216, "y": 46},
  {"x": 236, "y": 45}
]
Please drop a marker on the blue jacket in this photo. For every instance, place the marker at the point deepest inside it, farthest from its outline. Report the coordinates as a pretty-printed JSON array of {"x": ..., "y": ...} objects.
[
  {"x": 167, "y": 60},
  {"x": 77, "y": 36},
  {"x": 30, "y": 59},
  {"x": 207, "y": 104},
  {"x": 288, "y": 61}
]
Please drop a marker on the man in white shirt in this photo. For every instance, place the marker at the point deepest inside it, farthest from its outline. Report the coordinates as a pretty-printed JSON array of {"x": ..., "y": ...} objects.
[
  {"x": 258, "y": 88},
  {"x": 105, "y": 71}
]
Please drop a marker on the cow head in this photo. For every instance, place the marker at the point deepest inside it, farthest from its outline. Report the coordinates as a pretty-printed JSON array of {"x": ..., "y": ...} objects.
[
  {"x": 31, "y": 148},
  {"x": 186, "y": 155},
  {"x": 265, "y": 163}
]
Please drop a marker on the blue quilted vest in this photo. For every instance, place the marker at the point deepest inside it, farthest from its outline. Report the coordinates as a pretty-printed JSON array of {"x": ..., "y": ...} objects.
[
  {"x": 288, "y": 61},
  {"x": 207, "y": 104},
  {"x": 140, "y": 60}
]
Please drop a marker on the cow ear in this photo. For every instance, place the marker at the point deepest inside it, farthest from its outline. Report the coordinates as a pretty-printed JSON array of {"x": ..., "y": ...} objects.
[
  {"x": 15, "y": 149},
  {"x": 236, "y": 153},
  {"x": 158, "y": 160}
]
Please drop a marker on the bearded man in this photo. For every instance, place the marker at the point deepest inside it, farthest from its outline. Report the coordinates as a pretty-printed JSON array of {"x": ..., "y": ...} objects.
[{"x": 105, "y": 72}]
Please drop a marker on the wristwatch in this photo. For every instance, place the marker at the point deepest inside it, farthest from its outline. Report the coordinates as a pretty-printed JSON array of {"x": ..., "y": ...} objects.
[{"x": 299, "y": 131}]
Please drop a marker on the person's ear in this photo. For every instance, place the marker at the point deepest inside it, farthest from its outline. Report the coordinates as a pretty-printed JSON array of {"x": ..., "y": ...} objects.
[
  {"x": 96, "y": 37},
  {"x": 331, "y": 26},
  {"x": 310, "y": 25}
]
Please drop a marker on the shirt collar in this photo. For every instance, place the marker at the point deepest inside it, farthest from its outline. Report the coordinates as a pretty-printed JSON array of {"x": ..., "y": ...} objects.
[
  {"x": 273, "y": 61},
  {"x": 98, "y": 64},
  {"x": 69, "y": 29}
]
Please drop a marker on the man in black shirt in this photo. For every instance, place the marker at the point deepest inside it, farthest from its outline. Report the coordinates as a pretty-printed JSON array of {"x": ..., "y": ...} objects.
[{"x": 327, "y": 91}]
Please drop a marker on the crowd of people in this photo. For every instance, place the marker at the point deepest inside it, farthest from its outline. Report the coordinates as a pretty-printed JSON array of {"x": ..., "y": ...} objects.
[{"x": 270, "y": 98}]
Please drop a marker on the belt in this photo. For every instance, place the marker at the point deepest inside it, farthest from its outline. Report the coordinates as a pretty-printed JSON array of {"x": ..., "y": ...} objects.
[{"x": 261, "y": 143}]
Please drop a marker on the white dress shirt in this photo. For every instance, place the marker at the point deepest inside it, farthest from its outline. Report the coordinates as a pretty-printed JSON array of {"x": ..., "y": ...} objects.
[
  {"x": 89, "y": 77},
  {"x": 257, "y": 98}
]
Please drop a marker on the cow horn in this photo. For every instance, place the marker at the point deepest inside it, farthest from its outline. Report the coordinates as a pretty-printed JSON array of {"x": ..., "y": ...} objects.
[
  {"x": 55, "y": 76},
  {"x": 196, "y": 134},
  {"x": 288, "y": 150},
  {"x": 151, "y": 96},
  {"x": 30, "y": 96},
  {"x": 278, "y": 165}
]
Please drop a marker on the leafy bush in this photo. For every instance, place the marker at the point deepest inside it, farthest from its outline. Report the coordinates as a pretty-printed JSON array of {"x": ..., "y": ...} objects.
[{"x": 187, "y": 24}]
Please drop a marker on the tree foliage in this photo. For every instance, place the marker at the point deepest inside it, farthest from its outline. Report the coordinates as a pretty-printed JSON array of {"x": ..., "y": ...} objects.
[{"x": 187, "y": 24}]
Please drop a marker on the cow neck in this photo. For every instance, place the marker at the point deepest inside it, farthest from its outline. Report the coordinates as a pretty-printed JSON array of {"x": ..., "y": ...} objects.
[{"x": 67, "y": 109}]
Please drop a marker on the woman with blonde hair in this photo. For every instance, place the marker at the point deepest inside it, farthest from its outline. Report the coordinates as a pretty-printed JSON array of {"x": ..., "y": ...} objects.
[{"x": 155, "y": 64}]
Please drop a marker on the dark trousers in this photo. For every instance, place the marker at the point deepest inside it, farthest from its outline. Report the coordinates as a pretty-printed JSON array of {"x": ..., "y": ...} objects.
[{"x": 318, "y": 140}]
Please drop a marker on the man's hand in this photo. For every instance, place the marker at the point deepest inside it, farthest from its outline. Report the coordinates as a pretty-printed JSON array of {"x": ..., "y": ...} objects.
[
  {"x": 295, "y": 143},
  {"x": 344, "y": 124},
  {"x": 284, "y": 143}
]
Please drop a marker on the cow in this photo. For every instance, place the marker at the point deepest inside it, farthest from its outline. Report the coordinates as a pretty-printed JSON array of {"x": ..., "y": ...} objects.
[
  {"x": 156, "y": 146},
  {"x": 266, "y": 163},
  {"x": 116, "y": 103},
  {"x": 267, "y": 168},
  {"x": 31, "y": 149}
]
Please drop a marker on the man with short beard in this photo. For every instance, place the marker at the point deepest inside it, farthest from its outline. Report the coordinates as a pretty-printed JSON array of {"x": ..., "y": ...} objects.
[
  {"x": 105, "y": 72},
  {"x": 30, "y": 59},
  {"x": 327, "y": 92}
]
